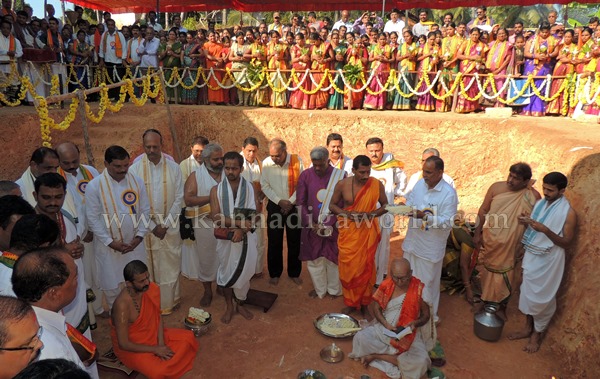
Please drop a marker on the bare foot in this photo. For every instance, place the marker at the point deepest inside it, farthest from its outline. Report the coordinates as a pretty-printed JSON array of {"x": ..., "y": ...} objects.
[
  {"x": 525, "y": 333},
  {"x": 502, "y": 313},
  {"x": 535, "y": 340},
  {"x": 366, "y": 360},
  {"x": 244, "y": 312},
  {"x": 206, "y": 299},
  {"x": 297, "y": 281},
  {"x": 469, "y": 294},
  {"x": 348, "y": 310},
  {"x": 257, "y": 275},
  {"x": 220, "y": 291},
  {"x": 313, "y": 294},
  {"x": 104, "y": 314},
  {"x": 477, "y": 307},
  {"x": 226, "y": 319},
  {"x": 333, "y": 297},
  {"x": 274, "y": 281}
]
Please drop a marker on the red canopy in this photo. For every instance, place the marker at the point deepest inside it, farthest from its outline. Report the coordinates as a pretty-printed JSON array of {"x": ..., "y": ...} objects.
[{"x": 142, "y": 6}]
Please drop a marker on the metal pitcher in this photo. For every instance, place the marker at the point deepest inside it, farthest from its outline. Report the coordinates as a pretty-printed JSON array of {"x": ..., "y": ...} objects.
[{"x": 488, "y": 326}]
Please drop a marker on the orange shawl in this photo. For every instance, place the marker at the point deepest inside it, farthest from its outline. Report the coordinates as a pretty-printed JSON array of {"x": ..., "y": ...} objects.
[
  {"x": 357, "y": 244},
  {"x": 411, "y": 308},
  {"x": 51, "y": 41},
  {"x": 129, "y": 43},
  {"x": 293, "y": 173},
  {"x": 97, "y": 38},
  {"x": 118, "y": 46},
  {"x": 11, "y": 43}
]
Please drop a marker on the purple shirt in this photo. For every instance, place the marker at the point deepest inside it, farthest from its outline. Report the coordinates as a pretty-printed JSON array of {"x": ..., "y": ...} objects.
[{"x": 312, "y": 246}]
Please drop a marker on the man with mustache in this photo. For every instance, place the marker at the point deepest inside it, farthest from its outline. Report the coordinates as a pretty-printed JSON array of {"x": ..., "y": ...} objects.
[
  {"x": 116, "y": 208},
  {"x": 138, "y": 336},
  {"x": 49, "y": 193},
  {"x": 202, "y": 263},
  {"x": 78, "y": 176},
  {"x": 20, "y": 342},
  {"x": 164, "y": 186}
]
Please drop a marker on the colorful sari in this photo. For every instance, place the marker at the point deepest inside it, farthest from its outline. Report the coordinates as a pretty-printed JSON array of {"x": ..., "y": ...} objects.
[
  {"x": 381, "y": 71},
  {"x": 427, "y": 66},
  {"x": 190, "y": 96},
  {"x": 470, "y": 67},
  {"x": 298, "y": 99},
  {"x": 237, "y": 68},
  {"x": 450, "y": 46},
  {"x": 336, "y": 99},
  {"x": 81, "y": 72},
  {"x": 216, "y": 50},
  {"x": 169, "y": 63},
  {"x": 355, "y": 56},
  {"x": 535, "y": 67},
  {"x": 498, "y": 54},
  {"x": 262, "y": 96},
  {"x": 404, "y": 66},
  {"x": 561, "y": 69},
  {"x": 319, "y": 99},
  {"x": 278, "y": 53}
]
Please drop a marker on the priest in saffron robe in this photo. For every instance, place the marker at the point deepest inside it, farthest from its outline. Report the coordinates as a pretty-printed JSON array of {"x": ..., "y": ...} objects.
[
  {"x": 318, "y": 246},
  {"x": 138, "y": 336},
  {"x": 398, "y": 305},
  {"x": 359, "y": 232}
]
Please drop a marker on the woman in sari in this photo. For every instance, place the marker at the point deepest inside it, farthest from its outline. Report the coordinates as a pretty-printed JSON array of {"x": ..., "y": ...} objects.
[
  {"x": 231, "y": 93},
  {"x": 278, "y": 56},
  {"x": 380, "y": 58},
  {"x": 170, "y": 55},
  {"x": 80, "y": 55},
  {"x": 538, "y": 53},
  {"x": 394, "y": 45},
  {"x": 449, "y": 66},
  {"x": 498, "y": 59},
  {"x": 428, "y": 57},
  {"x": 191, "y": 54},
  {"x": 300, "y": 62},
  {"x": 564, "y": 66},
  {"x": 262, "y": 96},
  {"x": 356, "y": 56},
  {"x": 336, "y": 99},
  {"x": 407, "y": 61},
  {"x": 215, "y": 60},
  {"x": 321, "y": 56},
  {"x": 472, "y": 54},
  {"x": 238, "y": 56}
]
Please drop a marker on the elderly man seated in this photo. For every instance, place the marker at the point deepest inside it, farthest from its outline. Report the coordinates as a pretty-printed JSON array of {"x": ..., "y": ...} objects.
[{"x": 397, "y": 306}]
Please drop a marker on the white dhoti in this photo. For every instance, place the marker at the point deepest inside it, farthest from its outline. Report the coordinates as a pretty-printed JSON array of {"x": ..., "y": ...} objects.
[
  {"x": 89, "y": 267},
  {"x": 202, "y": 262},
  {"x": 542, "y": 274},
  {"x": 325, "y": 276},
  {"x": 412, "y": 364},
  {"x": 382, "y": 256},
  {"x": 236, "y": 266},
  {"x": 164, "y": 257},
  {"x": 430, "y": 274}
]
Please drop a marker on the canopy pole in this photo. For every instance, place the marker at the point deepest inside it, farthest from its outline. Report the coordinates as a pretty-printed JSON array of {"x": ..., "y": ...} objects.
[
  {"x": 157, "y": 9},
  {"x": 383, "y": 10}
]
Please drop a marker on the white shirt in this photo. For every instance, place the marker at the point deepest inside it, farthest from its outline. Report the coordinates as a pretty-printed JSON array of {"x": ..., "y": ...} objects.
[
  {"x": 252, "y": 171},
  {"x": 188, "y": 165},
  {"x": 345, "y": 166},
  {"x": 149, "y": 50},
  {"x": 393, "y": 179},
  {"x": 54, "y": 337},
  {"x": 156, "y": 26},
  {"x": 132, "y": 46},
  {"x": 348, "y": 24},
  {"x": 5, "y": 281},
  {"x": 110, "y": 53},
  {"x": 420, "y": 29},
  {"x": 76, "y": 188},
  {"x": 274, "y": 180},
  {"x": 397, "y": 27},
  {"x": 429, "y": 242},
  {"x": 4, "y": 47},
  {"x": 418, "y": 176}
]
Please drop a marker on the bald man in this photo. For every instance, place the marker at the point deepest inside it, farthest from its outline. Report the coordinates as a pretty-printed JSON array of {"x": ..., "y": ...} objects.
[{"x": 8, "y": 187}]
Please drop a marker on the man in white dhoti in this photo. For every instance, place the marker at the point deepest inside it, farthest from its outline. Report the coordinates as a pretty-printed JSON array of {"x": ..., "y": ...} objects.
[
  {"x": 252, "y": 172},
  {"x": 388, "y": 171},
  {"x": 551, "y": 230},
  {"x": 414, "y": 178},
  {"x": 50, "y": 191},
  {"x": 10, "y": 51},
  {"x": 202, "y": 262},
  {"x": 434, "y": 205},
  {"x": 233, "y": 206},
  {"x": 319, "y": 239},
  {"x": 189, "y": 165},
  {"x": 337, "y": 159},
  {"x": 117, "y": 211},
  {"x": 43, "y": 160},
  {"x": 78, "y": 176},
  {"x": 397, "y": 306},
  {"x": 164, "y": 186}
]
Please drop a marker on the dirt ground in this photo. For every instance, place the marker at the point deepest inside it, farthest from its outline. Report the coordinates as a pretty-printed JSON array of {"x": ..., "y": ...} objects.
[{"x": 477, "y": 150}]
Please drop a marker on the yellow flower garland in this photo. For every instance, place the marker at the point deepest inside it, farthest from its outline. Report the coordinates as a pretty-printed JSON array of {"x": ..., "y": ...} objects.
[{"x": 47, "y": 123}]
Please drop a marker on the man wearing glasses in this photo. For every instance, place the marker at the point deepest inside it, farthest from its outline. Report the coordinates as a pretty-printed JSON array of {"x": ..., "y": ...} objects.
[
  {"x": 481, "y": 19},
  {"x": 20, "y": 333}
]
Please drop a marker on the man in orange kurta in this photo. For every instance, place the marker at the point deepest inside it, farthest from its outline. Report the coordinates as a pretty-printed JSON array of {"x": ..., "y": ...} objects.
[
  {"x": 137, "y": 333},
  {"x": 359, "y": 232}
]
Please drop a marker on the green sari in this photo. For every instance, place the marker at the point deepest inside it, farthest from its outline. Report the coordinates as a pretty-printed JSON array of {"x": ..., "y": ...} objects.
[{"x": 170, "y": 62}]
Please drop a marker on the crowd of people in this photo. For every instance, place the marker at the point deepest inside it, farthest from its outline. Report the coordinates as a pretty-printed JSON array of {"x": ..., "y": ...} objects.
[
  {"x": 364, "y": 48},
  {"x": 73, "y": 238}
]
